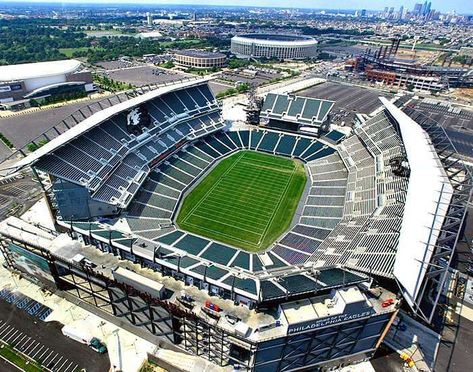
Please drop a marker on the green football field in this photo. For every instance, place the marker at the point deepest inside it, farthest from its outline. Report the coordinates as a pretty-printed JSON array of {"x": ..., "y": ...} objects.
[{"x": 247, "y": 200}]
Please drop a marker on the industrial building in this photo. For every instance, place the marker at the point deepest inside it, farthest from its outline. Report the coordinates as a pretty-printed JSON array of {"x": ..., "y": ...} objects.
[
  {"x": 383, "y": 65},
  {"x": 20, "y": 83},
  {"x": 383, "y": 197},
  {"x": 282, "y": 47}
]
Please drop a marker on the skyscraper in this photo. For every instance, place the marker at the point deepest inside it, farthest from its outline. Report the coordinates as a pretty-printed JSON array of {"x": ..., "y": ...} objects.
[
  {"x": 417, "y": 9},
  {"x": 428, "y": 7}
]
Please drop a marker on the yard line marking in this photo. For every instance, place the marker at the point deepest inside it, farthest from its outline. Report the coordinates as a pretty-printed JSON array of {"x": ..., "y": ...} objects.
[
  {"x": 241, "y": 182},
  {"x": 210, "y": 190},
  {"x": 236, "y": 217},
  {"x": 253, "y": 212},
  {"x": 264, "y": 180},
  {"x": 255, "y": 225},
  {"x": 277, "y": 206},
  {"x": 260, "y": 203},
  {"x": 226, "y": 224},
  {"x": 222, "y": 234},
  {"x": 229, "y": 215},
  {"x": 218, "y": 208},
  {"x": 235, "y": 202}
]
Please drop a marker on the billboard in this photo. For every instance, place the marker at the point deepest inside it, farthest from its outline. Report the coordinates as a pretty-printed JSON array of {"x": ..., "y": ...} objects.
[
  {"x": 30, "y": 263},
  {"x": 328, "y": 321}
]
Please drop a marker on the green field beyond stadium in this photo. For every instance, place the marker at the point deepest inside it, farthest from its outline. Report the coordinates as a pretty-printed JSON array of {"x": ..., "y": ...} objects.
[{"x": 248, "y": 200}]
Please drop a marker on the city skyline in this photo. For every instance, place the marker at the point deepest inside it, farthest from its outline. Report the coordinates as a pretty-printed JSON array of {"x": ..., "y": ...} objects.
[{"x": 459, "y": 6}]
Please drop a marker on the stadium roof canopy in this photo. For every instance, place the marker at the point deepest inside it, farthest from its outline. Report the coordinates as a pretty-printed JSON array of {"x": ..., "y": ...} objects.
[
  {"x": 276, "y": 39},
  {"x": 428, "y": 197},
  {"x": 296, "y": 109},
  {"x": 97, "y": 118},
  {"x": 199, "y": 53},
  {"x": 38, "y": 70}
]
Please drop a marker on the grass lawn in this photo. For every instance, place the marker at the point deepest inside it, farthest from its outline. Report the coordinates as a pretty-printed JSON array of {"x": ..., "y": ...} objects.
[
  {"x": 248, "y": 200},
  {"x": 8, "y": 353},
  {"x": 100, "y": 33},
  {"x": 185, "y": 42}
]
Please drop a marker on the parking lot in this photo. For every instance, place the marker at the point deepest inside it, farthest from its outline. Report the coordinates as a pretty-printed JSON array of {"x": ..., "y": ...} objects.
[
  {"x": 32, "y": 307},
  {"x": 256, "y": 77},
  {"x": 143, "y": 75},
  {"x": 43, "y": 341},
  {"x": 118, "y": 64},
  {"x": 20, "y": 129},
  {"x": 349, "y": 99},
  {"x": 457, "y": 123},
  {"x": 35, "y": 350}
]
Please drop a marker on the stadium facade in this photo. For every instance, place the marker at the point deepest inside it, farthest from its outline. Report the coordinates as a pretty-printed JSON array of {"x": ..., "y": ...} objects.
[
  {"x": 200, "y": 59},
  {"x": 282, "y": 47},
  {"x": 114, "y": 183},
  {"x": 20, "y": 83}
]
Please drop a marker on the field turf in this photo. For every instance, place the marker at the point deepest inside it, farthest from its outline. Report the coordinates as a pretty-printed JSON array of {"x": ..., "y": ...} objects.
[{"x": 247, "y": 200}]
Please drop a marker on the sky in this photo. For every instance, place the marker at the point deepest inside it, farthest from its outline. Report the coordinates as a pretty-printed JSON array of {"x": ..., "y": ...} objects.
[{"x": 460, "y": 6}]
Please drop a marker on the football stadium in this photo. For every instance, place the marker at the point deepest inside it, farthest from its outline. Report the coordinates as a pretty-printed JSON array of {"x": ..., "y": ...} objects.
[
  {"x": 279, "y": 46},
  {"x": 250, "y": 246}
]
